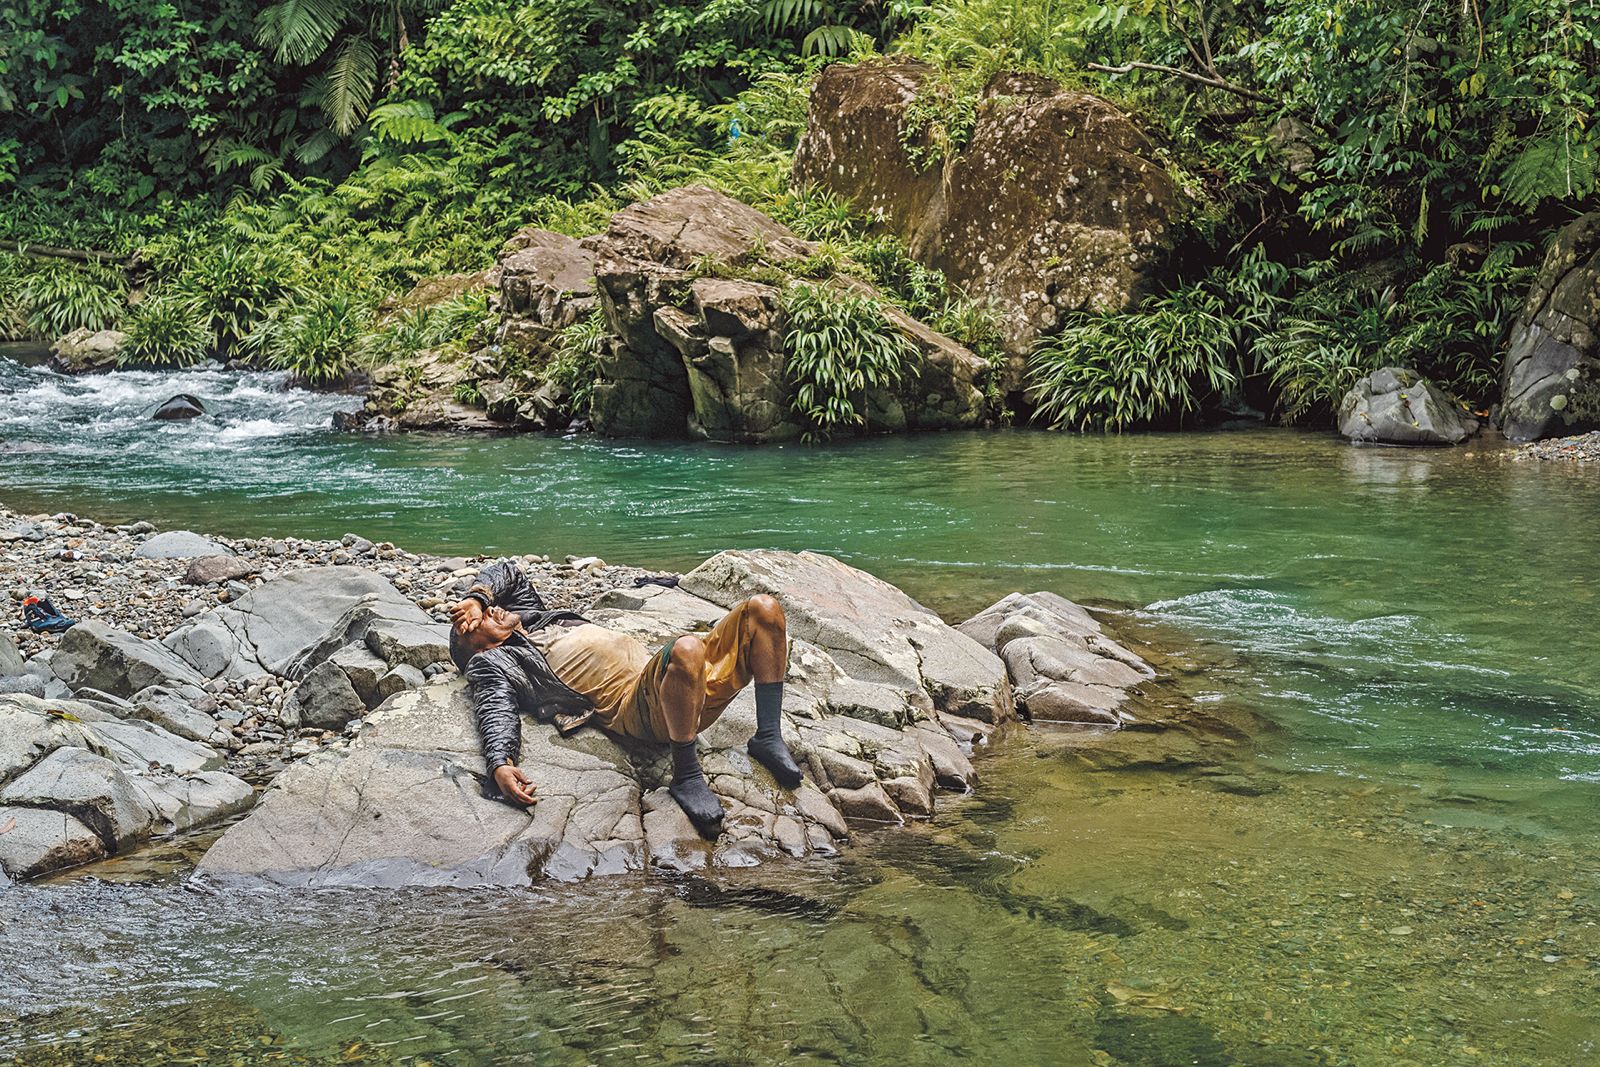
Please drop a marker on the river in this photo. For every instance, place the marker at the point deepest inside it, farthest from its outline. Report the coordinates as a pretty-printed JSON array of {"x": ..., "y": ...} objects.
[{"x": 1396, "y": 864}]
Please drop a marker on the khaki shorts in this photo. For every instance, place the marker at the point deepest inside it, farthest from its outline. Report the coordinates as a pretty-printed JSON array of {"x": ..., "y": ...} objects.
[{"x": 727, "y": 672}]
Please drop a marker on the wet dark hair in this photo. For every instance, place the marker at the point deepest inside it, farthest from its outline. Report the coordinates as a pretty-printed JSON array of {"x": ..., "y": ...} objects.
[{"x": 460, "y": 654}]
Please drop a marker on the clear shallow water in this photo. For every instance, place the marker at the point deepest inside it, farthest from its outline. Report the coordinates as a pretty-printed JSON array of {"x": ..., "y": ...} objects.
[{"x": 1408, "y": 637}]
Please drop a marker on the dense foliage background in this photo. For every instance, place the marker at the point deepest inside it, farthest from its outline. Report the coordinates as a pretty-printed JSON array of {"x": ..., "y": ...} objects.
[{"x": 1380, "y": 175}]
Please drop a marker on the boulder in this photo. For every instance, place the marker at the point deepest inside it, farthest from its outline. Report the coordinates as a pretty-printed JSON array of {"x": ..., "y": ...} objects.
[
  {"x": 11, "y": 661},
  {"x": 22, "y": 683},
  {"x": 179, "y": 544},
  {"x": 82, "y": 784},
  {"x": 705, "y": 355},
  {"x": 173, "y": 712},
  {"x": 408, "y": 802},
  {"x": 873, "y": 631},
  {"x": 179, "y": 408},
  {"x": 1550, "y": 384},
  {"x": 275, "y": 627},
  {"x": 91, "y": 788},
  {"x": 85, "y": 351},
  {"x": 94, "y": 655},
  {"x": 1396, "y": 407},
  {"x": 1062, "y": 666},
  {"x": 1092, "y": 227},
  {"x": 420, "y": 393},
  {"x": 325, "y": 699},
  {"x": 211, "y": 570},
  {"x": 41, "y": 840}
]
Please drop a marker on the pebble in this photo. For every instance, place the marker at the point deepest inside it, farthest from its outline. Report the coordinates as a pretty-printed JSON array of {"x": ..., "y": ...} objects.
[{"x": 1583, "y": 448}]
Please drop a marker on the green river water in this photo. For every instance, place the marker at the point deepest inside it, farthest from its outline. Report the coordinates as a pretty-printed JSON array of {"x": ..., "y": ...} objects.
[{"x": 1372, "y": 842}]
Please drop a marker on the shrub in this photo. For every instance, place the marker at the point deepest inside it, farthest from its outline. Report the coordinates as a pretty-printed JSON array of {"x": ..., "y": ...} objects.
[
  {"x": 232, "y": 287},
  {"x": 1114, "y": 371},
  {"x": 165, "y": 331},
  {"x": 318, "y": 339},
  {"x": 573, "y": 369},
  {"x": 60, "y": 297},
  {"x": 839, "y": 346}
]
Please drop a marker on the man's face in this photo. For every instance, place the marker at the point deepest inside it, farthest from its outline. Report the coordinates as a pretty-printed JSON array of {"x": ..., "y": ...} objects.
[{"x": 492, "y": 630}]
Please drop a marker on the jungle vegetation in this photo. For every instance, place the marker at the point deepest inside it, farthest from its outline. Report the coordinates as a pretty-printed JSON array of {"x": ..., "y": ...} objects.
[{"x": 1379, "y": 177}]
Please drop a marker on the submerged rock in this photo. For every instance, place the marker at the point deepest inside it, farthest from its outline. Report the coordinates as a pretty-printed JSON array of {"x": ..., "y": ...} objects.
[
  {"x": 1550, "y": 386},
  {"x": 409, "y": 803},
  {"x": 1396, "y": 407}
]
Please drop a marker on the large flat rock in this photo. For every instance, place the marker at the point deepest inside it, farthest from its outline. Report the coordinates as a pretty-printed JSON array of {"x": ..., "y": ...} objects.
[
  {"x": 97, "y": 656},
  {"x": 408, "y": 802},
  {"x": 280, "y": 622}
]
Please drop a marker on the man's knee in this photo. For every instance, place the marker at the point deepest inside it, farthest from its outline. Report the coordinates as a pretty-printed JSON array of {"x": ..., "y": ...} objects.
[
  {"x": 688, "y": 657},
  {"x": 765, "y": 611}
]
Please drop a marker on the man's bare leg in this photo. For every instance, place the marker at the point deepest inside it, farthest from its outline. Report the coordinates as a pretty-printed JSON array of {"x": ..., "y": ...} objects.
[
  {"x": 768, "y": 657},
  {"x": 683, "y": 698}
]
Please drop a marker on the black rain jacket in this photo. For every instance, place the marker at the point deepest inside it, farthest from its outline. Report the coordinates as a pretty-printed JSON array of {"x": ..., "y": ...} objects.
[{"x": 515, "y": 677}]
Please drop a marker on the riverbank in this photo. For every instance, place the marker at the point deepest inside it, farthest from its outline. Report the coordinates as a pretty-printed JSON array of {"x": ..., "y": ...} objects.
[
  {"x": 1582, "y": 448},
  {"x": 93, "y": 572}
]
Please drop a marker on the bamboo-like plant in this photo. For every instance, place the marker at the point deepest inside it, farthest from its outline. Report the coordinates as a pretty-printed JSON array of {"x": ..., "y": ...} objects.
[{"x": 839, "y": 346}]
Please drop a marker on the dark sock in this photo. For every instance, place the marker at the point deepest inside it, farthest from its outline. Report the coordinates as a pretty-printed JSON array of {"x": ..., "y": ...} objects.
[
  {"x": 690, "y": 789},
  {"x": 767, "y": 745}
]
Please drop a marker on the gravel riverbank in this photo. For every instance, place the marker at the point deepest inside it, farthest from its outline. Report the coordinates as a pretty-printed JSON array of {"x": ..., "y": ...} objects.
[
  {"x": 1583, "y": 448},
  {"x": 93, "y": 571}
]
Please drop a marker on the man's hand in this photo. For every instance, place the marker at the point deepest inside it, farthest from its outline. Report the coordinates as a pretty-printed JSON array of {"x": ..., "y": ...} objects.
[
  {"x": 467, "y": 615},
  {"x": 514, "y": 784}
]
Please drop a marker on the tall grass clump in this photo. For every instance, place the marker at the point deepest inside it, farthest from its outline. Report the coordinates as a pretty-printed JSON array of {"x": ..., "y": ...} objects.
[
  {"x": 839, "y": 346},
  {"x": 164, "y": 331}
]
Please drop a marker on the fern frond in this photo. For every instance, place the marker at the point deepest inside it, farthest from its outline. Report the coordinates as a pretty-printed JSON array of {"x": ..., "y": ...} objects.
[{"x": 298, "y": 31}]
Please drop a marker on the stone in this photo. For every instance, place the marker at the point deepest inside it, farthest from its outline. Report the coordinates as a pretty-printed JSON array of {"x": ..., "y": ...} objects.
[
  {"x": 869, "y": 804},
  {"x": 22, "y": 683},
  {"x": 180, "y": 544},
  {"x": 406, "y": 805},
  {"x": 85, "y": 351},
  {"x": 41, "y": 840},
  {"x": 92, "y": 654},
  {"x": 400, "y": 679},
  {"x": 1091, "y": 228},
  {"x": 209, "y": 570},
  {"x": 139, "y": 747},
  {"x": 325, "y": 699},
  {"x": 283, "y": 626},
  {"x": 173, "y": 712},
  {"x": 1394, "y": 406},
  {"x": 91, "y": 788},
  {"x": 705, "y": 355},
  {"x": 193, "y": 800},
  {"x": 1550, "y": 382},
  {"x": 407, "y": 644},
  {"x": 11, "y": 661},
  {"x": 180, "y": 408},
  {"x": 1062, "y": 665},
  {"x": 873, "y": 631},
  {"x": 364, "y": 671}
]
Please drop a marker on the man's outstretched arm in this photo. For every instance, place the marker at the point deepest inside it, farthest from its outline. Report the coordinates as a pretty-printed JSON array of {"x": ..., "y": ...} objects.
[{"x": 494, "y": 705}]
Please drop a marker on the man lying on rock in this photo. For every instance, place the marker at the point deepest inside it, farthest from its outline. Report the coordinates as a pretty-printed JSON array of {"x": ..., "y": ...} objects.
[{"x": 520, "y": 657}]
